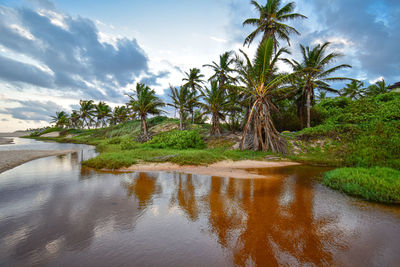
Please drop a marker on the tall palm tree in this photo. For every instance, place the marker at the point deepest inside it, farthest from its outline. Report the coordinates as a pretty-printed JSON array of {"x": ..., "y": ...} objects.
[
  {"x": 87, "y": 109},
  {"x": 223, "y": 69},
  {"x": 262, "y": 83},
  {"x": 194, "y": 80},
  {"x": 182, "y": 100},
  {"x": 353, "y": 90},
  {"x": 271, "y": 21},
  {"x": 380, "y": 87},
  {"x": 144, "y": 102},
  {"x": 215, "y": 104},
  {"x": 315, "y": 73},
  {"x": 103, "y": 112},
  {"x": 61, "y": 119}
]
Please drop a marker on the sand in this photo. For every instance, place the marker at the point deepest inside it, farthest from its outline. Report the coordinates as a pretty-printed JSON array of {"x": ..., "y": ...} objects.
[
  {"x": 5, "y": 141},
  {"x": 10, "y": 159},
  {"x": 227, "y": 168}
]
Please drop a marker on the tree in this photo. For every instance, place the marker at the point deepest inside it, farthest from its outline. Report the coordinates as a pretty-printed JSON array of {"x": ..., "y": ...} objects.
[
  {"x": 315, "y": 73},
  {"x": 353, "y": 90},
  {"x": 222, "y": 70},
  {"x": 182, "y": 100},
  {"x": 103, "y": 112},
  {"x": 215, "y": 103},
  {"x": 119, "y": 115},
  {"x": 271, "y": 22},
  {"x": 87, "y": 109},
  {"x": 380, "y": 87},
  {"x": 194, "y": 80},
  {"x": 75, "y": 119},
  {"x": 262, "y": 82},
  {"x": 60, "y": 119},
  {"x": 144, "y": 102}
]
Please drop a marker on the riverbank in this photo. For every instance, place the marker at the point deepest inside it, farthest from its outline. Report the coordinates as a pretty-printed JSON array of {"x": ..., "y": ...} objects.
[
  {"x": 14, "y": 158},
  {"x": 5, "y": 141},
  {"x": 233, "y": 169}
]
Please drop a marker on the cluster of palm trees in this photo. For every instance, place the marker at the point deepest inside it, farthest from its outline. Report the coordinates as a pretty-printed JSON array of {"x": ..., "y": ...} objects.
[
  {"x": 242, "y": 92},
  {"x": 356, "y": 89}
]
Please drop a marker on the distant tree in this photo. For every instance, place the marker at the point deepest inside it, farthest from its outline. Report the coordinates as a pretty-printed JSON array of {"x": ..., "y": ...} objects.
[
  {"x": 380, "y": 87},
  {"x": 315, "y": 73},
  {"x": 87, "y": 109},
  {"x": 119, "y": 115},
  {"x": 223, "y": 70},
  {"x": 271, "y": 22},
  {"x": 215, "y": 104},
  {"x": 194, "y": 81},
  {"x": 103, "y": 113},
  {"x": 183, "y": 98},
  {"x": 144, "y": 102},
  {"x": 353, "y": 90},
  {"x": 75, "y": 119},
  {"x": 61, "y": 119}
]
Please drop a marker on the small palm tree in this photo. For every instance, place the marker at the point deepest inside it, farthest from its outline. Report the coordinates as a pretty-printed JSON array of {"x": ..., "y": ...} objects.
[
  {"x": 60, "y": 119},
  {"x": 271, "y": 21},
  {"x": 262, "y": 83},
  {"x": 87, "y": 109},
  {"x": 75, "y": 119},
  {"x": 222, "y": 70},
  {"x": 182, "y": 100},
  {"x": 353, "y": 90},
  {"x": 144, "y": 102},
  {"x": 315, "y": 73},
  {"x": 103, "y": 113},
  {"x": 194, "y": 80},
  {"x": 380, "y": 87},
  {"x": 215, "y": 104},
  {"x": 119, "y": 115}
]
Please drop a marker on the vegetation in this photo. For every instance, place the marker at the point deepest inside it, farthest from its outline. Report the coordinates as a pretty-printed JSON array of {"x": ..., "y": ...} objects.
[
  {"x": 355, "y": 126},
  {"x": 374, "y": 184}
]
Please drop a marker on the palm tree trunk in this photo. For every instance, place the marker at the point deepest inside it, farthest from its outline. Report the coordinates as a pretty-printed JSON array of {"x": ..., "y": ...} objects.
[
  {"x": 144, "y": 126},
  {"x": 308, "y": 104},
  {"x": 181, "y": 120}
]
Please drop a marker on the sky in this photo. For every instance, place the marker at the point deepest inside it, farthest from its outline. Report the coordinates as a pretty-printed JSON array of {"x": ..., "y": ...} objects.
[{"x": 55, "y": 52}]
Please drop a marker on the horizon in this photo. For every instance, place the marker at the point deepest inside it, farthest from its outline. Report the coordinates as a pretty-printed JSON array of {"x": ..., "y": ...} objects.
[{"x": 54, "y": 53}]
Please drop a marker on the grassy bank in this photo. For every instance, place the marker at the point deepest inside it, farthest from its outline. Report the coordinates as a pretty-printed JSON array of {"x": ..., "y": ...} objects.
[{"x": 374, "y": 184}]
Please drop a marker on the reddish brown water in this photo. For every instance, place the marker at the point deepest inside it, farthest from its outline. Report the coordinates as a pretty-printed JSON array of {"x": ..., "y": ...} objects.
[{"x": 54, "y": 213}]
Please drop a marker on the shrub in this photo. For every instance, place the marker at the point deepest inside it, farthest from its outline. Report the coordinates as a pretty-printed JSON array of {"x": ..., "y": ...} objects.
[
  {"x": 177, "y": 140},
  {"x": 373, "y": 184},
  {"x": 128, "y": 144}
]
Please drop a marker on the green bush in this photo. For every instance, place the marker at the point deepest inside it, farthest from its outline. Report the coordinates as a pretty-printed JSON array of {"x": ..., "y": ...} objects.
[
  {"x": 177, "y": 140},
  {"x": 110, "y": 161},
  {"x": 373, "y": 184},
  {"x": 128, "y": 144}
]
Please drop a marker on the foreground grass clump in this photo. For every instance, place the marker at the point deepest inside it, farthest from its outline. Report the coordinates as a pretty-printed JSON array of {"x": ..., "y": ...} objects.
[
  {"x": 110, "y": 161},
  {"x": 374, "y": 184}
]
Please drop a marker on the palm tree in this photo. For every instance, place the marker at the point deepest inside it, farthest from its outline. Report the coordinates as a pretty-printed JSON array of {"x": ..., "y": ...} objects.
[
  {"x": 353, "y": 90},
  {"x": 271, "y": 22},
  {"x": 194, "y": 80},
  {"x": 261, "y": 84},
  {"x": 315, "y": 73},
  {"x": 87, "y": 108},
  {"x": 119, "y": 115},
  {"x": 222, "y": 70},
  {"x": 103, "y": 112},
  {"x": 380, "y": 87},
  {"x": 214, "y": 104},
  {"x": 75, "y": 119},
  {"x": 182, "y": 100},
  {"x": 144, "y": 102},
  {"x": 60, "y": 119}
]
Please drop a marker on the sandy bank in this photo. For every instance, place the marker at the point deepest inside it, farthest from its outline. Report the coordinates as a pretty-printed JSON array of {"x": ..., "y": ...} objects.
[
  {"x": 227, "y": 168},
  {"x": 4, "y": 141},
  {"x": 13, "y": 158}
]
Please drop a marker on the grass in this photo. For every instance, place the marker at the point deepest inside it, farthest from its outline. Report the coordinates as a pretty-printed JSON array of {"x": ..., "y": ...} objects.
[{"x": 378, "y": 184}]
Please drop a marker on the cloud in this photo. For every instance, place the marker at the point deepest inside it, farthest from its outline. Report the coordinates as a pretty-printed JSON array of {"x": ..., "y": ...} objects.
[
  {"x": 33, "y": 110},
  {"x": 152, "y": 78},
  {"x": 49, "y": 49}
]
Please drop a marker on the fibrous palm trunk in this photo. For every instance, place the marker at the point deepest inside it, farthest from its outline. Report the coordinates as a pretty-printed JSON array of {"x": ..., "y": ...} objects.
[
  {"x": 261, "y": 130},
  {"x": 215, "y": 126},
  {"x": 308, "y": 104}
]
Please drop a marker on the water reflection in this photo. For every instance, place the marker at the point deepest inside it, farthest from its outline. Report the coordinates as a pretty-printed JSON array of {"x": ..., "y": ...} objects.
[{"x": 53, "y": 211}]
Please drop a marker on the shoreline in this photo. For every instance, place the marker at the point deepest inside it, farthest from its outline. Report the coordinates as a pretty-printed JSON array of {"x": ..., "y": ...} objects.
[
  {"x": 6, "y": 141},
  {"x": 12, "y": 158},
  {"x": 227, "y": 168}
]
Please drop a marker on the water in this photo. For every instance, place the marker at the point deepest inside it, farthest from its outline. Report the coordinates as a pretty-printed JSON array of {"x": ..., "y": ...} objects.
[{"x": 54, "y": 212}]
